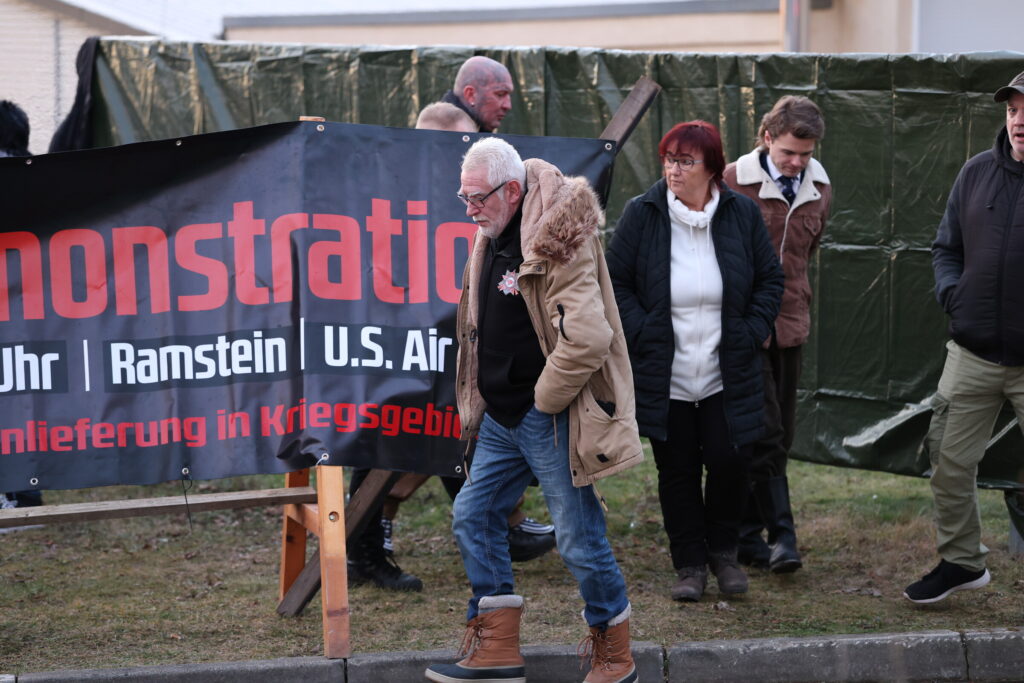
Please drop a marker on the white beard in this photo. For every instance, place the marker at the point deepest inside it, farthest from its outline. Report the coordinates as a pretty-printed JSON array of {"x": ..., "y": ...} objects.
[{"x": 489, "y": 231}]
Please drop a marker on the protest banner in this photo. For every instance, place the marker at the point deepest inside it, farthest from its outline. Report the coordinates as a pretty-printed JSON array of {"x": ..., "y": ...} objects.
[{"x": 253, "y": 301}]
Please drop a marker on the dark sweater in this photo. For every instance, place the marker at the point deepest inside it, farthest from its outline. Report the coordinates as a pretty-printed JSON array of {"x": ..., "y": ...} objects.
[{"x": 508, "y": 349}]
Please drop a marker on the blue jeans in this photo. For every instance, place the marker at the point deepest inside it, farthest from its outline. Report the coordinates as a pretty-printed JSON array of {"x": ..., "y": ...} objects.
[{"x": 505, "y": 462}]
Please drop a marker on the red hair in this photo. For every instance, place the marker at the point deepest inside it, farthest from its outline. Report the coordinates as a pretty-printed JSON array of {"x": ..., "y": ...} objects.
[{"x": 701, "y": 137}]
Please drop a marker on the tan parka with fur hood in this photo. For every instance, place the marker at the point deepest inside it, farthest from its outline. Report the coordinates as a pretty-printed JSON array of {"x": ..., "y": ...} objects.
[{"x": 565, "y": 284}]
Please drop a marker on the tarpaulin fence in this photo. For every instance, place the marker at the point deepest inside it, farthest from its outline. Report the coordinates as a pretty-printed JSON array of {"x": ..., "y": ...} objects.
[{"x": 898, "y": 129}]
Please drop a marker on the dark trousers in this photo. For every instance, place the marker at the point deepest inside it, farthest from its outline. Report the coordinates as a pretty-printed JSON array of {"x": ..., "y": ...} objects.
[
  {"x": 781, "y": 369},
  {"x": 370, "y": 542},
  {"x": 699, "y": 520}
]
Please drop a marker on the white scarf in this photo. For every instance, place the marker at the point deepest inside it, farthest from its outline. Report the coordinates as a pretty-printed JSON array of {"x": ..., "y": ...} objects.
[{"x": 680, "y": 213}]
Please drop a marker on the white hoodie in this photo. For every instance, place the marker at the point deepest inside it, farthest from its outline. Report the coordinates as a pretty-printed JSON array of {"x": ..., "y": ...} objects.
[{"x": 696, "y": 302}]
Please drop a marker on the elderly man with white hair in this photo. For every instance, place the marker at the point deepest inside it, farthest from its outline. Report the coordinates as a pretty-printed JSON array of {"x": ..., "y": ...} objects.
[{"x": 544, "y": 385}]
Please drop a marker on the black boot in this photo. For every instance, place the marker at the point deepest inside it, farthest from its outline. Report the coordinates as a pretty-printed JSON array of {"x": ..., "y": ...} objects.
[
  {"x": 368, "y": 562},
  {"x": 751, "y": 548},
  {"x": 529, "y": 540},
  {"x": 785, "y": 557},
  {"x": 382, "y": 570}
]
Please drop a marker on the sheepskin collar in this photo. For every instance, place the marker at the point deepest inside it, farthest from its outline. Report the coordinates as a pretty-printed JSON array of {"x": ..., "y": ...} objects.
[
  {"x": 749, "y": 171},
  {"x": 559, "y": 214}
]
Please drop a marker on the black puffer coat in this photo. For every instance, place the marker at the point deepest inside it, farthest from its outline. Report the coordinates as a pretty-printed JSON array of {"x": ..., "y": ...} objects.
[
  {"x": 977, "y": 256},
  {"x": 639, "y": 259}
]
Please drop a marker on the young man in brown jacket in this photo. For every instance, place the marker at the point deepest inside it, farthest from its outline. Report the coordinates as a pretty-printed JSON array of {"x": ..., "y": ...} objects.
[
  {"x": 544, "y": 385},
  {"x": 795, "y": 197}
]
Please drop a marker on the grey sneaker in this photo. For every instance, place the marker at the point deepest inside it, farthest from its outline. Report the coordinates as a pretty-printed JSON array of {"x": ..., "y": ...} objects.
[
  {"x": 732, "y": 580},
  {"x": 691, "y": 583},
  {"x": 532, "y": 526},
  {"x": 389, "y": 530}
]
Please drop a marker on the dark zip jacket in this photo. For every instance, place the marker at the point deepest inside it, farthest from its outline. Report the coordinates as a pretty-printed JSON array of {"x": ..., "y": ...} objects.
[
  {"x": 451, "y": 98},
  {"x": 978, "y": 256},
  {"x": 639, "y": 264}
]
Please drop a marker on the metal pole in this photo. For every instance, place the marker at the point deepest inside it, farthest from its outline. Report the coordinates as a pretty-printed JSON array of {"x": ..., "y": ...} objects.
[{"x": 795, "y": 15}]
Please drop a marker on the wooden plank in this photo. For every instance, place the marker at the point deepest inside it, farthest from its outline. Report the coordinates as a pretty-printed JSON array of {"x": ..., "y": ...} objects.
[
  {"x": 330, "y": 488},
  {"x": 303, "y": 588},
  {"x": 140, "y": 507},
  {"x": 306, "y": 585},
  {"x": 631, "y": 111},
  {"x": 307, "y": 515},
  {"x": 371, "y": 491},
  {"x": 293, "y": 536}
]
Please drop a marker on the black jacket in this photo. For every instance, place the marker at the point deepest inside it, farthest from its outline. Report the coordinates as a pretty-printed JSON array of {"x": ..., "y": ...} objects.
[
  {"x": 639, "y": 260},
  {"x": 451, "y": 98},
  {"x": 978, "y": 256}
]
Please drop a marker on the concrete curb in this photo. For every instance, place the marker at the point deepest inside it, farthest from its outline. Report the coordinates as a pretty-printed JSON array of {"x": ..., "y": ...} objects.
[
  {"x": 995, "y": 655},
  {"x": 932, "y": 656},
  {"x": 287, "y": 670},
  {"x": 990, "y": 656},
  {"x": 548, "y": 663}
]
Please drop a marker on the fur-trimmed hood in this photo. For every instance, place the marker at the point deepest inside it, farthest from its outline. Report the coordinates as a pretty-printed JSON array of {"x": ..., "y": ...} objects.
[{"x": 559, "y": 213}]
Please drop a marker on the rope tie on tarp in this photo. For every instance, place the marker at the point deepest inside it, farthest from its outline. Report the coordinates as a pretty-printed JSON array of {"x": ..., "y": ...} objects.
[{"x": 186, "y": 476}]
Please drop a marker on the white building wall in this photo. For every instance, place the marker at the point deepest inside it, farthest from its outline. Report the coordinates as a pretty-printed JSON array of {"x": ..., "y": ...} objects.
[
  {"x": 978, "y": 25},
  {"x": 38, "y": 46}
]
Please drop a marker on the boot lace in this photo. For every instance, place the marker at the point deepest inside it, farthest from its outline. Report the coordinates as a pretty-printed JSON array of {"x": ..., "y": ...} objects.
[
  {"x": 596, "y": 648},
  {"x": 389, "y": 566},
  {"x": 471, "y": 639},
  {"x": 474, "y": 636}
]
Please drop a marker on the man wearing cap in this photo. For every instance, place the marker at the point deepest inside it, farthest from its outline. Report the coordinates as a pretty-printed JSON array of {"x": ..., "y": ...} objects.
[
  {"x": 980, "y": 284},
  {"x": 483, "y": 89}
]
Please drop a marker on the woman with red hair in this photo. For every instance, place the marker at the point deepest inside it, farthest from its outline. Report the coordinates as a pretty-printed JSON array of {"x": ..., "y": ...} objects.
[{"x": 698, "y": 287}]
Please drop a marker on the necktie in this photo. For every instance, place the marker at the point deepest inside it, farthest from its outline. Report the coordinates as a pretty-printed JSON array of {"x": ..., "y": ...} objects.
[{"x": 787, "y": 188}]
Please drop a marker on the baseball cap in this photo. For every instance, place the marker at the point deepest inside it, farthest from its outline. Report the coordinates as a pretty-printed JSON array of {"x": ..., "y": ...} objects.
[{"x": 1017, "y": 84}]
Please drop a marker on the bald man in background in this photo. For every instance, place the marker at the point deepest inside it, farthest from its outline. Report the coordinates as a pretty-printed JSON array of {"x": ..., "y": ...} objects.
[{"x": 483, "y": 89}]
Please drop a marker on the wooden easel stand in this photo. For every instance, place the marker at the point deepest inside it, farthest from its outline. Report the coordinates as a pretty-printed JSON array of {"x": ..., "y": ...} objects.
[{"x": 334, "y": 523}]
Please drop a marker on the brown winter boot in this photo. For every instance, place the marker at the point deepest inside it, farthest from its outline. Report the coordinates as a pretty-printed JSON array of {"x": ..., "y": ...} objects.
[
  {"x": 611, "y": 660},
  {"x": 491, "y": 645},
  {"x": 732, "y": 580},
  {"x": 691, "y": 583}
]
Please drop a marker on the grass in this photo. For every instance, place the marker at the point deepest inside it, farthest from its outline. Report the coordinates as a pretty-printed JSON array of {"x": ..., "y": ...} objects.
[{"x": 151, "y": 591}]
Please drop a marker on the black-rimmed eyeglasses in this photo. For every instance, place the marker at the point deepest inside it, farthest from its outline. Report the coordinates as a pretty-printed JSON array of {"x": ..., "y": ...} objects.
[
  {"x": 477, "y": 200},
  {"x": 685, "y": 164}
]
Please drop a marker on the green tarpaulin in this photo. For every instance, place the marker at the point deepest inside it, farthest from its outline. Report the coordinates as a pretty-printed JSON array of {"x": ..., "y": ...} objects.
[{"x": 899, "y": 128}]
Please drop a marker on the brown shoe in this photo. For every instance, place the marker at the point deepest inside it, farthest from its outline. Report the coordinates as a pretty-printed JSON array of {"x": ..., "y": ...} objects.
[
  {"x": 732, "y": 580},
  {"x": 611, "y": 660},
  {"x": 491, "y": 644},
  {"x": 691, "y": 583}
]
